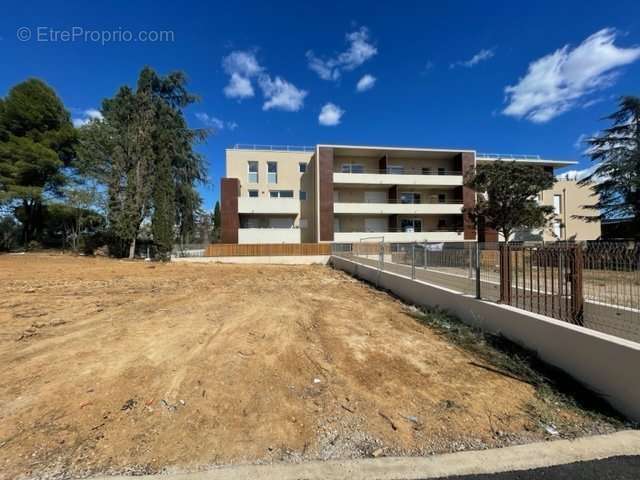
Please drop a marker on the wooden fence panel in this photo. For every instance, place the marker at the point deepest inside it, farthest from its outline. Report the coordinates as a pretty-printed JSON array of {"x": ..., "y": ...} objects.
[{"x": 267, "y": 249}]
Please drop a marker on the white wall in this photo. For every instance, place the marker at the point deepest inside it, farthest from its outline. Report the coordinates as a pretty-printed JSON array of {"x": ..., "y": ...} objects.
[
  {"x": 398, "y": 208},
  {"x": 603, "y": 363},
  {"x": 268, "y": 205},
  {"x": 350, "y": 237},
  {"x": 390, "y": 179},
  {"x": 269, "y": 235}
]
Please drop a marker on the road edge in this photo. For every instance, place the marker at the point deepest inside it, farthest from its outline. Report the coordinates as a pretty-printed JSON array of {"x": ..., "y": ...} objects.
[{"x": 521, "y": 457}]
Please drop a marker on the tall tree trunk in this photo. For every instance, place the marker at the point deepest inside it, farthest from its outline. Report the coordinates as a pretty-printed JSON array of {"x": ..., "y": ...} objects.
[{"x": 132, "y": 248}]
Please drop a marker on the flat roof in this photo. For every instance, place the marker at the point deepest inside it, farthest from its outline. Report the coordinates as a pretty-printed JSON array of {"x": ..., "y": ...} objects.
[{"x": 362, "y": 150}]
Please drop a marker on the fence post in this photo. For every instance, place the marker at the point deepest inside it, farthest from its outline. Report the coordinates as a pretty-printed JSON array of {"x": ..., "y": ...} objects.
[
  {"x": 478, "y": 295},
  {"x": 505, "y": 274},
  {"x": 413, "y": 261},
  {"x": 576, "y": 278}
]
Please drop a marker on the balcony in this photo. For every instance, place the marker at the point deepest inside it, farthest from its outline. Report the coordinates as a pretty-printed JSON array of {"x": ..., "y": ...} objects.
[
  {"x": 391, "y": 208},
  {"x": 268, "y": 235},
  {"x": 404, "y": 176},
  {"x": 268, "y": 205},
  {"x": 400, "y": 237}
]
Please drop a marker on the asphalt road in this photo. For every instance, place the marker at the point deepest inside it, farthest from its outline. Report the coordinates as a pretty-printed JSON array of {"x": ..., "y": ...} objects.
[{"x": 614, "y": 468}]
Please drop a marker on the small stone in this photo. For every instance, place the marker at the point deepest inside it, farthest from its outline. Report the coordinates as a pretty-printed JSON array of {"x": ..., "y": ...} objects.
[{"x": 376, "y": 453}]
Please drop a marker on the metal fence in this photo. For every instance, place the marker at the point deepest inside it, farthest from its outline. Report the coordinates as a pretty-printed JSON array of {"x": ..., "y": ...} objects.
[{"x": 591, "y": 284}]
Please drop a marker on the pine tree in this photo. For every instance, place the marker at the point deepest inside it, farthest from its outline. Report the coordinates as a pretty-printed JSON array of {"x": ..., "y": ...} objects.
[
  {"x": 36, "y": 142},
  {"x": 507, "y": 196},
  {"x": 616, "y": 178},
  {"x": 143, "y": 152}
]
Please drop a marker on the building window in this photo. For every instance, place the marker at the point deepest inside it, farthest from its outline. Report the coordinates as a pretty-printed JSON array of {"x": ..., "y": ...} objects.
[
  {"x": 441, "y": 171},
  {"x": 426, "y": 171},
  {"x": 303, "y": 195},
  {"x": 395, "y": 169},
  {"x": 442, "y": 198},
  {"x": 272, "y": 172},
  {"x": 557, "y": 204},
  {"x": 442, "y": 224},
  {"x": 303, "y": 167},
  {"x": 303, "y": 223},
  {"x": 411, "y": 225},
  {"x": 409, "y": 197},
  {"x": 253, "y": 172},
  {"x": 281, "y": 193},
  {"x": 253, "y": 193},
  {"x": 352, "y": 168}
]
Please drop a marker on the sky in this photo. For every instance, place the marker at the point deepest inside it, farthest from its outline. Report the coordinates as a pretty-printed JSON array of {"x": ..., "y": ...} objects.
[{"x": 496, "y": 77}]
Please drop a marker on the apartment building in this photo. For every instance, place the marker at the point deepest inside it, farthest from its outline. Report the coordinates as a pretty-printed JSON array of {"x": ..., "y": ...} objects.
[{"x": 344, "y": 193}]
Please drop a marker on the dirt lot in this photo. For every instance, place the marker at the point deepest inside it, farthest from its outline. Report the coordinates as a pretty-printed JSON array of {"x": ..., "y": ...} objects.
[{"x": 112, "y": 366}]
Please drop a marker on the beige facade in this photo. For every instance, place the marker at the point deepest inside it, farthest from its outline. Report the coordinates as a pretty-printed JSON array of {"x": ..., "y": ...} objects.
[
  {"x": 570, "y": 199},
  {"x": 270, "y": 203},
  {"x": 344, "y": 193}
]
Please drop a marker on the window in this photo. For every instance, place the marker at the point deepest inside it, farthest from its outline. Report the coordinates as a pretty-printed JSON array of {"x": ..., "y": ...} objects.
[
  {"x": 426, "y": 171},
  {"x": 441, "y": 171},
  {"x": 442, "y": 224},
  {"x": 557, "y": 204},
  {"x": 442, "y": 198},
  {"x": 303, "y": 195},
  {"x": 303, "y": 167},
  {"x": 304, "y": 223},
  {"x": 396, "y": 169},
  {"x": 352, "y": 168},
  {"x": 411, "y": 225},
  {"x": 253, "y": 172},
  {"x": 281, "y": 193},
  {"x": 409, "y": 197},
  {"x": 253, "y": 193},
  {"x": 272, "y": 172}
]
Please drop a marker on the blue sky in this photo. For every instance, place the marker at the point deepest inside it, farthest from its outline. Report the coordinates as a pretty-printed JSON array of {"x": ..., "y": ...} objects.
[{"x": 507, "y": 77}]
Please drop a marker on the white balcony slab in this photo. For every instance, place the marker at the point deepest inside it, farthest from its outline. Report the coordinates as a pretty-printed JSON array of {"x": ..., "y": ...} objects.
[
  {"x": 397, "y": 208},
  {"x": 268, "y": 205},
  {"x": 269, "y": 235},
  {"x": 340, "y": 178},
  {"x": 400, "y": 237}
]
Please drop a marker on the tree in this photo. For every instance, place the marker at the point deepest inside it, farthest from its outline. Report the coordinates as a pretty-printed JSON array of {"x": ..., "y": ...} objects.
[
  {"x": 507, "y": 196},
  {"x": 217, "y": 222},
  {"x": 616, "y": 178},
  {"x": 36, "y": 142},
  {"x": 143, "y": 152}
]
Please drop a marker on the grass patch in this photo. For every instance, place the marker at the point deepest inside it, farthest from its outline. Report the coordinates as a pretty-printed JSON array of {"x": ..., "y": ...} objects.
[{"x": 552, "y": 385}]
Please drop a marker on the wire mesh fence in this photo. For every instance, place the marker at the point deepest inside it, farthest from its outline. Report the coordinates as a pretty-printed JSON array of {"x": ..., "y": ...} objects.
[{"x": 591, "y": 284}]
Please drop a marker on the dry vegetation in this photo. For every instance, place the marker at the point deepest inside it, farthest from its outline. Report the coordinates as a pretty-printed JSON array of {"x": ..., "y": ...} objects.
[{"x": 114, "y": 366}]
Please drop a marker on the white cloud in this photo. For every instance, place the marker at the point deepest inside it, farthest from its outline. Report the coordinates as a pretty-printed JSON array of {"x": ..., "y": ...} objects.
[
  {"x": 577, "y": 175},
  {"x": 330, "y": 115},
  {"x": 366, "y": 83},
  {"x": 481, "y": 56},
  {"x": 238, "y": 87},
  {"x": 214, "y": 122},
  {"x": 360, "y": 50},
  {"x": 241, "y": 66},
  {"x": 559, "y": 81},
  {"x": 280, "y": 94},
  {"x": 242, "y": 62},
  {"x": 87, "y": 116}
]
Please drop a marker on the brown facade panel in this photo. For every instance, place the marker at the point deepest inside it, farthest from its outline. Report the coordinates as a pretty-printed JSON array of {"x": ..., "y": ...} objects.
[
  {"x": 467, "y": 163},
  {"x": 325, "y": 202},
  {"x": 229, "y": 218}
]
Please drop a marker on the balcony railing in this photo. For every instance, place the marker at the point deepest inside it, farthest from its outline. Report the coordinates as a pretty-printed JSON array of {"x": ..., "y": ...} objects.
[
  {"x": 273, "y": 148},
  {"x": 395, "y": 171},
  {"x": 430, "y": 201}
]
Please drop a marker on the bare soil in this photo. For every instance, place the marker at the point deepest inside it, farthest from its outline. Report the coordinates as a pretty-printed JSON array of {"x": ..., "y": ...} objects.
[{"x": 113, "y": 366}]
